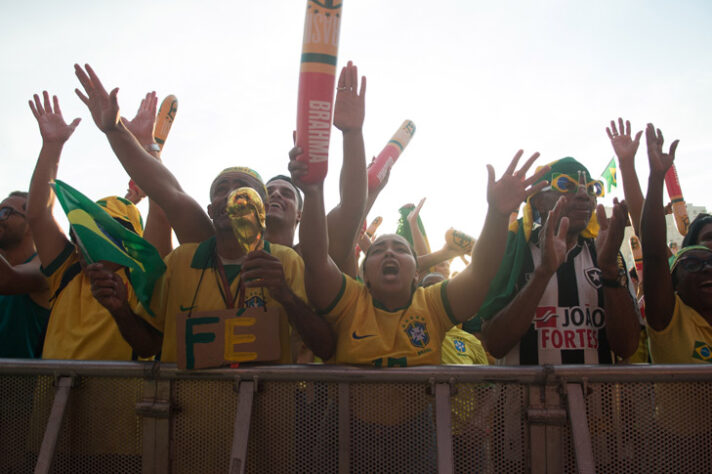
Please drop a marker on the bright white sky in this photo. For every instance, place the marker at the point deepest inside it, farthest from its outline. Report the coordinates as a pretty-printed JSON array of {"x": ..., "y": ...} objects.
[{"x": 480, "y": 79}]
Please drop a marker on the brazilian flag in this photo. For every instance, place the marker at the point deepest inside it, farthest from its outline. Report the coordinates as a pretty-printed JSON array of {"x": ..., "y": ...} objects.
[
  {"x": 101, "y": 237},
  {"x": 609, "y": 175}
]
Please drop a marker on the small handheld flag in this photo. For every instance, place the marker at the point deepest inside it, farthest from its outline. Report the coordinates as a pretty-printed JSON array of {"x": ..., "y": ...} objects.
[
  {"x": 610, "y": 175},
  {"x": 101, "y": 237}
]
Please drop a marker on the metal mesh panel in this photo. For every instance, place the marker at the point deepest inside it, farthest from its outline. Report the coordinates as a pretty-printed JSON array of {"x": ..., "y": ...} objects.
[
  {"x": 392, "y": 428},
  {"x": 203, "y": 425},
  {"x": 647, "y": 427},
  {"x": 316, "y": 427},
  {"x": 490, "y": 433},
  {"x": 24, "y": 409},
  {"x": 101, "y": 431},
  {"x": 273, "y": 430}
]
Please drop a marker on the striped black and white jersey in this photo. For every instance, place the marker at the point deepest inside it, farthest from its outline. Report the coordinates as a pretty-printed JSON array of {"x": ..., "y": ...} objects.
[{"x": 570, "y": 320}]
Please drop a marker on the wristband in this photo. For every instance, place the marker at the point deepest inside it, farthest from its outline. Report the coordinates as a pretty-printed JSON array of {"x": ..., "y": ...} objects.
[{"x": 153, "y": 147}]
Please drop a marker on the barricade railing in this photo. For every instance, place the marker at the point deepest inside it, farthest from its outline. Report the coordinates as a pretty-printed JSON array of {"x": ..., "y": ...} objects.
[{"x": 72, "y": 416}]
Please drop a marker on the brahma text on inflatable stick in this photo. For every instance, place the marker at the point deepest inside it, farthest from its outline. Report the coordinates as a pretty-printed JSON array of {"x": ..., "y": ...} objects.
[
  {"x": 316, "y": 85},
  {"x": 388, "y": 156},
  {"x": 164, "y": 119},
  {"x": 679, "y": 209}
]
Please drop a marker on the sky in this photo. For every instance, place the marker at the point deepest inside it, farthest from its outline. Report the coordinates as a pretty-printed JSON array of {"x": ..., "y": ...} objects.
[{"x": 479, "y": 79}]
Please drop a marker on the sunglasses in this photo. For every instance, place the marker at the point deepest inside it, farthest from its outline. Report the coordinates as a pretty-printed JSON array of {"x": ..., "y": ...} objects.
[
  {"x": 565, "y": 184},
  {"x": 5, "y": 212},
  {"x": 694, "y": 264}
]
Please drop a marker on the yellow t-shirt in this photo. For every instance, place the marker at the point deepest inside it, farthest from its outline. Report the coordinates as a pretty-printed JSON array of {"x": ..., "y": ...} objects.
[
  {"x": 175, "y": 292},
  {"x": 369, "y": 334},
  {"x": 686, "y": 340},
  {"x": 461, "y": 347},
  {"x": 79, "y": 326}
]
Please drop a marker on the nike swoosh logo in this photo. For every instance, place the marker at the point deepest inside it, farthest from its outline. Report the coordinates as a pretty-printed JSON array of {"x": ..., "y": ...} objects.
[
  {"x": 183, "y": 308},
  {"x": 355, "y": 336}
]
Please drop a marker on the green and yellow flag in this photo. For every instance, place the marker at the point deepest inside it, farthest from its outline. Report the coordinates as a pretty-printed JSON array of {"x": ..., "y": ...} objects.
[
  {"x": 404, "y": 229},
  {"x": 101, "y": 237},
  {"x": 610, "y": 176}
]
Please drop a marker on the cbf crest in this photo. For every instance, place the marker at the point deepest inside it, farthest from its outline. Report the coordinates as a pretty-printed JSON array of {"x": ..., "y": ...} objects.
[{"x": 417, "y": 331}]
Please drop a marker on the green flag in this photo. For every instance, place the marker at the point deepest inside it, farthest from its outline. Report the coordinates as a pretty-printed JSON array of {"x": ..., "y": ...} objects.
[
  {"x": 609, "y": 175},
  {"x": 403, "y": 228},
  {"x": 101, "y": 237}
]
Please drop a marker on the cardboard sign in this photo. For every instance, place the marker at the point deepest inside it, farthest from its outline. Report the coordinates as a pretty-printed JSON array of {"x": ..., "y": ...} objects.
[{"x": 217, "y": 338}]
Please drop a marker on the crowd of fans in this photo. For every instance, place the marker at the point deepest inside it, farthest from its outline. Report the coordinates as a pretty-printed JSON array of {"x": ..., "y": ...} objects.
[{"x": 548, "y": 288}]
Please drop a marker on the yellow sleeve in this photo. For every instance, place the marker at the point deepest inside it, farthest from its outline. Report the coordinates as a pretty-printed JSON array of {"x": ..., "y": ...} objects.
[
  {"x": 345, "y": 301},
  {"x": 439, "y": 306},
  {"x": 55, "y": 270}
]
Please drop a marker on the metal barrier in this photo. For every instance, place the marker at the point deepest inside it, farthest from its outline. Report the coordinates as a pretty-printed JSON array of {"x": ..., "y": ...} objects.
[{"x": 62, "y": 416}]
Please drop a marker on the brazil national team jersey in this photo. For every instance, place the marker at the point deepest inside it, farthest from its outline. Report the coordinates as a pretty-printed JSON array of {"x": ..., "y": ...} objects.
[{"x": 369, "y": 334}]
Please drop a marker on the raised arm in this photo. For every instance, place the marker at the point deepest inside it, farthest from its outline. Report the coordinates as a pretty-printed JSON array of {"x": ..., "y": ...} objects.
[
  {"x": 23, "y": 278},
  {"x": 322, "y": 277},
  {"x": 468, "y": 289},
  {"x": 625, "y": 148},
  {"x": 622, "y": 325},
  {"x": 46, "y": 232},
  {"x": 185, "y": 215},
  {"x": 158, "y": 229},
  {"x": 501, "y": 333},
  {"x": 345, "y": 219},
  {"x": 657, "y": 281}
]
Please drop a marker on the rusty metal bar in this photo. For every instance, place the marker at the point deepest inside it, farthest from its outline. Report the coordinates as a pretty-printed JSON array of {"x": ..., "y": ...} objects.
[
  {"x": 579, "y": 429},
  {"x": 443, "y": 427},
  {"x": 54, "y": 424},
  {"x": 241, "y": 433}
]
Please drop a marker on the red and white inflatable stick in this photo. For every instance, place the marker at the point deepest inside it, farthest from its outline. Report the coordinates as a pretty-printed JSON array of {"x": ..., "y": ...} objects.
[
  {"x": 388, "y": 156},
  {"x": 679, "y": 209},
  {"x": 316, "y": 85}
]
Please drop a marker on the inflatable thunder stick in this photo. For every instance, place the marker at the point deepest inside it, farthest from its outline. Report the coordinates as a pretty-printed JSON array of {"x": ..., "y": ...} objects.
[
  {"x": 384, "y": 161},
  {"x": 374, "y": 225},
  {"x": 679, "y": 209},
  {"x": 316, "y": 85},
  {"x": 165, "y": 118},
  {"x": 637, "y": 252}
]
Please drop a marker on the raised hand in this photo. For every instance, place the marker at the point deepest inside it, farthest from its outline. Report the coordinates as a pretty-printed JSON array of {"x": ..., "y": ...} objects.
[
  {"x": 659, "y": 162},
  {"x": 413, "y": 216},
  {"x": 53, "y": 128},
  {"x": 513, "y": 188},
  {"x": 610, "y": 236},
  {"x": 104, "y": 107},
  {"x": 349, "y": 106},
  {"x": 144, "y": 123},
  {"x": 624, "y": 146},
  {"x": 554, "y": 245},
  {"x": 298, "y": 169}
]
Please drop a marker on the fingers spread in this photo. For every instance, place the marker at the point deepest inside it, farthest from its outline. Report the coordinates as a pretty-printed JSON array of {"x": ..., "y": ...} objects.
[
  {"x": 523, "y": 170},
  {"x": 512, "y": 166}
]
